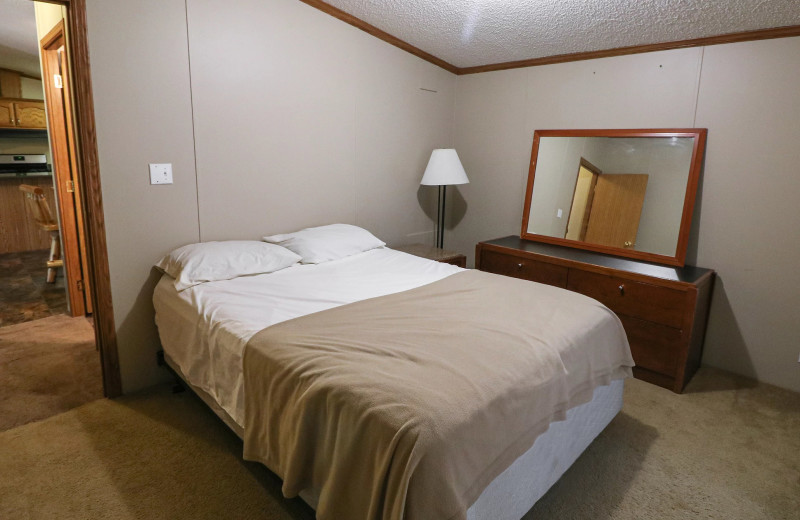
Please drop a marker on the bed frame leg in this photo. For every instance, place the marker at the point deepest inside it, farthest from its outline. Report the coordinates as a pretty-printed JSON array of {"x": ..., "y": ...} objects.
[{"x": 177, "y": 386}]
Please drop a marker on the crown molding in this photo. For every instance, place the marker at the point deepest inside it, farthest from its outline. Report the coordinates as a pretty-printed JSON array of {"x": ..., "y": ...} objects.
[
  {"x": 743, "y": 36},
  {"x": 761, "y": 34}
]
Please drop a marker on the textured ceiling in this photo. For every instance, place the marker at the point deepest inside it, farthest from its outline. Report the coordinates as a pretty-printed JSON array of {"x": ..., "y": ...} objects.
[
  {"x": 468, "y": 33},
  {"x": 18, "y": 26}
]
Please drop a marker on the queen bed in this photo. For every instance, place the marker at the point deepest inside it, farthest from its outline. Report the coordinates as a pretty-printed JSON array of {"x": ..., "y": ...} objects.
[{"x": 378, "y": 384}]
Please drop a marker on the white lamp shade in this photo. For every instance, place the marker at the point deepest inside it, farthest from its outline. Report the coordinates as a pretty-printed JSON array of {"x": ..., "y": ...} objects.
[{"x": 444, "y": 169}]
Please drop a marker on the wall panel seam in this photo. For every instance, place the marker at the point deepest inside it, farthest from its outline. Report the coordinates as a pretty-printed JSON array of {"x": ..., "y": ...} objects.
[{"x": 194, "y": 130}]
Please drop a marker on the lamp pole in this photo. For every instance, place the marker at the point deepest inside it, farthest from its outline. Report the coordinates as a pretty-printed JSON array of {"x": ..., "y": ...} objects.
[{"x": 440, "y": 216}]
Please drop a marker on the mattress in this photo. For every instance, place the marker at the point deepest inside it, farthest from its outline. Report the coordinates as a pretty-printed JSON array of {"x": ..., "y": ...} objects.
[{"x": 205, "y": 329}]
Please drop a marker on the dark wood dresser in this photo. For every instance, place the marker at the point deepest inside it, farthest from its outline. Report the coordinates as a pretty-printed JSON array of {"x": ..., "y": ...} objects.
[{"x": 664, "y": 309}]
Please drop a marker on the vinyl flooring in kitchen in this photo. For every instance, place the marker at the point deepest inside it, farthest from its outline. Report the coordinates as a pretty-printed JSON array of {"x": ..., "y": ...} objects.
[{"x": 24, "y": 293}]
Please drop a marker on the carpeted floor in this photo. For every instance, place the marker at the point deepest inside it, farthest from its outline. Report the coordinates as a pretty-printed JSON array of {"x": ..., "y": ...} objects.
[
  {"x": 25, "y": 294},
  {"x": 726, "y": 449},
  {"x": 47, "y": 367}
]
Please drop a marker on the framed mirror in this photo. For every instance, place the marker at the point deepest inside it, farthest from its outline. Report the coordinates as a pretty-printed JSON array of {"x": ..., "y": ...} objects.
[{"x": 628, "y": 193}]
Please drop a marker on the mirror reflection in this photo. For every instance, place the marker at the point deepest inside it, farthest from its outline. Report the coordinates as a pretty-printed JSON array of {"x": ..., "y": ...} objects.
[{"x": 621, "y": 192}]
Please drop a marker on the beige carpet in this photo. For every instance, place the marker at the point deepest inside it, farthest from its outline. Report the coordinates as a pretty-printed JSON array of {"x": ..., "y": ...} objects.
[
  {"x": 47, "y": 366},
  {"x": 727, "y": 449}
]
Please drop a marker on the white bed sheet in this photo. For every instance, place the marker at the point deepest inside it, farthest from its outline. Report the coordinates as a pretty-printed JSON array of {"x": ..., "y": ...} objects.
[{"x": 205, "y": 329}]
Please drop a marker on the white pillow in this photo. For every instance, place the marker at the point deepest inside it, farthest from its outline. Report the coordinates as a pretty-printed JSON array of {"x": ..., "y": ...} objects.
[
  {"x": 210, "y": 261},
  {"x": 324, "y": 243}
]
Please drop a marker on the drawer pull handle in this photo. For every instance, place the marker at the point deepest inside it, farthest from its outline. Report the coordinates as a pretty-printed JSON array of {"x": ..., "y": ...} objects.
[
  {"x": 519, "y": 266},
  {"x": 622, "y": 289}
]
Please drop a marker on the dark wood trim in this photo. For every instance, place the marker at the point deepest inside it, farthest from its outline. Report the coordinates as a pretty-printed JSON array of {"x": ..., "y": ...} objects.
[
  {"x": 378, "y": 33},
  {"x": 744, "y": 36},
  {"x": 89, "y": 178},
  {"x": 699, "y": 135}
]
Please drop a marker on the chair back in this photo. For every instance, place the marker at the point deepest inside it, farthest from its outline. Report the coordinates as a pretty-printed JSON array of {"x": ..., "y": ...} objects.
[{"x": 40, "y": 209}]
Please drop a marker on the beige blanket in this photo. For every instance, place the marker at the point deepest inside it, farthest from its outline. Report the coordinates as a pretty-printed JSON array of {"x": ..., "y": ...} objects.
[{"x": 409, "y": 405}]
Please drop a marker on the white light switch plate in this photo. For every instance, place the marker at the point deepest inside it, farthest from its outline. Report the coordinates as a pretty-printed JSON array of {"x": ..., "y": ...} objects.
[
  {"x": 559, "y": 213},
  {"x": 161, "y": 173}
]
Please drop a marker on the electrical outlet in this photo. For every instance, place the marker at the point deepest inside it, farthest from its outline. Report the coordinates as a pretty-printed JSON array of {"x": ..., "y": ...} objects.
[{"x": 161, "y": 173}]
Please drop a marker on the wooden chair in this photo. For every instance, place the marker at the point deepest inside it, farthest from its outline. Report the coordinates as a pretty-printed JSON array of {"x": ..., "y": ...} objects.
[{"x": 40, "y": 210}]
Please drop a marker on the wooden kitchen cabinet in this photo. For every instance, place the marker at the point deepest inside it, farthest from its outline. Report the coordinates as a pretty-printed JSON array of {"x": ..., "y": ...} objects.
[
  {"x": 7, "y": 119},
  {"x": 22, "y": 113}
]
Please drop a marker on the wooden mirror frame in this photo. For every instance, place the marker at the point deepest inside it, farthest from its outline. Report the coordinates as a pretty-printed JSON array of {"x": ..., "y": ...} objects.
[{"x": 696, "y": 164}]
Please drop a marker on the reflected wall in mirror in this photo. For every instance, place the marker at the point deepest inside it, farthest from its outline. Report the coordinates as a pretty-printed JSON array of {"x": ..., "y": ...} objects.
[{"x": 625, "y": 192}]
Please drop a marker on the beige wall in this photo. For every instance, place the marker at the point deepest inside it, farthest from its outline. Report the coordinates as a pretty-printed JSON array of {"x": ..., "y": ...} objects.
[
  {"x": 275, "y": 116},
  {"x": 31, "y": 88},
  {"x": 140, "y": 76},
  {"x": 747, "y": 212},
  {"x": 303, "y": 120},
  {"x": 47, "y": 16}
]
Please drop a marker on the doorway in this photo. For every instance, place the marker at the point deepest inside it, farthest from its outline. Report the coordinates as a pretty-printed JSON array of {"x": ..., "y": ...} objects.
[
  {"x": 41, "y": 218},
  {"x": 31, "y": 272},
  {"x": 79, "y": 345}
]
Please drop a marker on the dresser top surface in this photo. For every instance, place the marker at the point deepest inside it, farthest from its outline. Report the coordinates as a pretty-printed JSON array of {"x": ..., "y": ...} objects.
[{"x": 687, "y": 274}]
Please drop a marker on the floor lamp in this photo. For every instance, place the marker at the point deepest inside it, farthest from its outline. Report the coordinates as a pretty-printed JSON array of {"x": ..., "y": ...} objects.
[{"x": 444, "y": 169}]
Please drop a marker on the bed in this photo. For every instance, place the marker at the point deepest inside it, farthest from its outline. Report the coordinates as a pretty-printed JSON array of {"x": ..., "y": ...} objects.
[{"x": 213, "y": 333}]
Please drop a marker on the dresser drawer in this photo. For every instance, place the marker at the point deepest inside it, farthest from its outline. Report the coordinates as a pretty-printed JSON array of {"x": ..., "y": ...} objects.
[
  {"x": 525, "y": 268},
  {"x": 640, "y": 300},
  {"x": 654, "y": 346}
]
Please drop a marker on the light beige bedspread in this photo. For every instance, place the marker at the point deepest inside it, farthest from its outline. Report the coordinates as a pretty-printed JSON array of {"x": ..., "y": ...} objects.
[{"x": 409, "y": 405}]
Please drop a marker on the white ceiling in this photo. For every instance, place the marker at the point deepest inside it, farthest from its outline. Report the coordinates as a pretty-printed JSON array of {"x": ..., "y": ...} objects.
[
  {"x": 18, "y": 26},
  {"x": 468, "y": 33}
]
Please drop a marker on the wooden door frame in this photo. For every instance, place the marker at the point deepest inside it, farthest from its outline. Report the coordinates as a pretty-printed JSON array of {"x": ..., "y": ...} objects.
[
  {"x": 88, "y": 176},
  {"x": 62, "y": 145},
  {"x": 583, "y": 163}
]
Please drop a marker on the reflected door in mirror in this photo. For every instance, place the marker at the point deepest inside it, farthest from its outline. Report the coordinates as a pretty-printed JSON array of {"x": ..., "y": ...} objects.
[
  {"x": 625, "y": 192},
  {"x": 582, "y": 201},
  {"x": 616, "y": 210}
]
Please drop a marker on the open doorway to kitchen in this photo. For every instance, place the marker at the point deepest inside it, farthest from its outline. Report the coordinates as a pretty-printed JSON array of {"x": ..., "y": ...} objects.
[
  {"x": 52, "y": 242},
  {"x": 41, "y": 219}
]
